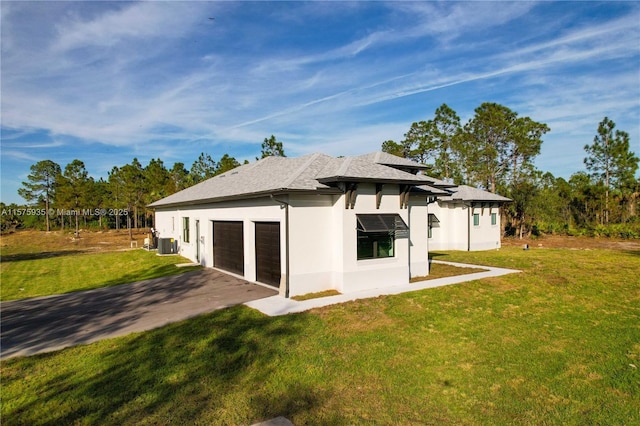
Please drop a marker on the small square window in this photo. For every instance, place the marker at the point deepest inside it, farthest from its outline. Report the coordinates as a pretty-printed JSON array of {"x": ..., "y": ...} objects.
[
  {"x": 476, "y": 219},
  {"x": 494, "y": 218}
]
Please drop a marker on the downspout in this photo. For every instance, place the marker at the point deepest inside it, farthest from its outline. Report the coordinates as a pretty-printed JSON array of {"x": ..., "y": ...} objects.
[
  {"x": 469, "y": 227},
  {"x": 408, "y": 240},
  {"x": 430, "y": 200},
  {"x": 286, "y": 248}
]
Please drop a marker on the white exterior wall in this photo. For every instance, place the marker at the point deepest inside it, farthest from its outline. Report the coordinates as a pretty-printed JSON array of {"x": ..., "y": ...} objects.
[
  {"x": 351, "y": 274},
  {"x": 485, "y": 236},
  {"x": 418, "y": 244},
  {"x": 169, "y": 224},
  {"x": 313, "y": 241},
  {"x": 323, "y": 238},
  {"x": 451, "y": 233},
  {"x": 456, "y": 230},
  {"x": 371, "y": 273}
]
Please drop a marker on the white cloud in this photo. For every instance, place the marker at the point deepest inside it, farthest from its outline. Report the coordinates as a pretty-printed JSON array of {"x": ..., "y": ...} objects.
[
  {"x": 18, "y": 155},
  {"x": 145, "y": 20}
]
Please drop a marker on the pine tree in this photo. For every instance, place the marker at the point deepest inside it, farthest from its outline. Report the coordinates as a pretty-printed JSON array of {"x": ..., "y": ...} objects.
[
  {"x": 272, "y": 148},
  {"x": 226, "y": 163},
  {"x": 73, "y": 186},
  {"x": 610, "y": 161},
  {"x": 202, "y": 169},
  {"x": 41, "y": 185}
]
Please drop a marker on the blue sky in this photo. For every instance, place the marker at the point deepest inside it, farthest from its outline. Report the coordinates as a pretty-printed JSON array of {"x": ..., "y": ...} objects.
[{"x": 108, "y": 81}]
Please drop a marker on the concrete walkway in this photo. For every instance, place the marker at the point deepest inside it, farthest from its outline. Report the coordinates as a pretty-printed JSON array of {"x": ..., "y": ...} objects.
[
  {"x": 278, "y": 305},
  {"x": 44, "y": 324}
]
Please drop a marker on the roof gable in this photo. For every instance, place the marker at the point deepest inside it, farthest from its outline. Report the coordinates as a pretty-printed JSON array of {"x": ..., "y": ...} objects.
[
  {"x": 469, "y": 193},
  {"x": 361, "y": 169},
  {"x": 387, "y": 159}
]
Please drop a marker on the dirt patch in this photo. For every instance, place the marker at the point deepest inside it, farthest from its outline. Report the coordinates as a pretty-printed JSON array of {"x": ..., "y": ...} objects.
[
  {"x": 25, "y": 242},
  {"x": 559, "y": 241}
]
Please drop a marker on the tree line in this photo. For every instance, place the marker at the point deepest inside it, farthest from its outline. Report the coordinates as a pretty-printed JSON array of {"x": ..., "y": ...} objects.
[
  {"x": 495, "y": 150},
  {"x": 69, "y": 198}
]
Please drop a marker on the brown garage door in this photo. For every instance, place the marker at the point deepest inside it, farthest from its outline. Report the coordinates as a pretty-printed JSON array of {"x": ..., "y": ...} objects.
[
  {"x": 228, "y": 246},
  {"x": 268, "y": 253}
]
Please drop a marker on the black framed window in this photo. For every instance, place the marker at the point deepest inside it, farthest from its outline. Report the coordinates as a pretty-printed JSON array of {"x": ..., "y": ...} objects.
[
  {"x": 374, "y": 245},
  {"x": 432, "y": 219},
  {"x": 377, "y": 234},
  {"x": 185, "y": 229}
]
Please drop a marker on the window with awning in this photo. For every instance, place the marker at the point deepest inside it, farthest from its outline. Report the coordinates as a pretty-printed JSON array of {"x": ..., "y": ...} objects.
[
  {"x": 431, "y": 220},
  {"x": 381, "y": 223},
  {"x": 376, "y": 234}
]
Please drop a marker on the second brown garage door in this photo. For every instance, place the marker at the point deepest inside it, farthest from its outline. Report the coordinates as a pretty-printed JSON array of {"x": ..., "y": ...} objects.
[
  {"x": 268, "y": 268},
  {"x": 228, "y": 246}
]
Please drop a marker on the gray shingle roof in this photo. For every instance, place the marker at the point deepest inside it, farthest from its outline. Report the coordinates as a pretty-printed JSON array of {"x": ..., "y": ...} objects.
[
  {"x": 313, "y": 172},
  {"x": 387, "y": 159},
  {"x": 431, "y": 190},
  {"x": 469, "y": 193},
  {"x": 391, "y": 160},
  {"x": 360, "y": 168},
  {"x": 269, "y": 174}
]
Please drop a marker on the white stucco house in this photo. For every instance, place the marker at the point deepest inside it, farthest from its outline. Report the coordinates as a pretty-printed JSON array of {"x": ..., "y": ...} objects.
[
  {"x": 466, "y": 219},
  {"x": 310, "y": 223}
]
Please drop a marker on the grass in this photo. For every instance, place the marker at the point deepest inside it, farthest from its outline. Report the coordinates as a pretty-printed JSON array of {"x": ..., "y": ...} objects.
[
  {"x": 556, "y": 344},
  {"x": 317, "y": 295},
  {"x": 439, "y": 270},
  {"x": 29, "y": 274}
]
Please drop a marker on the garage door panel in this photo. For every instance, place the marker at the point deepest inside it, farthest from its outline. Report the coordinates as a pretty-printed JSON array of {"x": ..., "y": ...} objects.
[
  {"x": 268, "y": 266},
  {"x": 228, "y": 246}
]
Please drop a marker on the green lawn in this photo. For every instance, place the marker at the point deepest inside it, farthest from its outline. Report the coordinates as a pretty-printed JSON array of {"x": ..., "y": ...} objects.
[
  {"x": 556, "y": 344},
  {"x": 31, "y": 274}
]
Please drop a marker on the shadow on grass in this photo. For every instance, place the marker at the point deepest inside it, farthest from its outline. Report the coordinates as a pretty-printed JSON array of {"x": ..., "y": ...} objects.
[
  {"x": 633, "y": 252},
  {"x": 434, "y": 254},
  {"x": 214, "y": 369},
  {"x": 40, "y": 255}
]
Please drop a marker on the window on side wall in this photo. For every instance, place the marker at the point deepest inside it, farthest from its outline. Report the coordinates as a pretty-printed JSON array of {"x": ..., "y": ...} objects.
[
  {"x": 476, "y": 219},
  {"x": 185, "y": 229},
  {"x": 494, "y": 218},
  {"x": 373, "y": 245},
  {"x": 376, "y": 235}
]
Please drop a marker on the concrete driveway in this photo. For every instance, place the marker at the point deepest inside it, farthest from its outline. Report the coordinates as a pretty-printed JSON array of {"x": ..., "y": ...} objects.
[{"x": 50, "y": 323}]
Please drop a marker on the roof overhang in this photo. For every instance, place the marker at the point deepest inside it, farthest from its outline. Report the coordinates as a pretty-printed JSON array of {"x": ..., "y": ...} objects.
[{"x": 334, "y": 179}]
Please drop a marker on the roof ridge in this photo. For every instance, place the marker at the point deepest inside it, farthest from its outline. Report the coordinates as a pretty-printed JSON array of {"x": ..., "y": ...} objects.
[
  {"x": 344, "y": 166},
  {"x": 376, "y": 157},
  {"x": 301, "y": 169}
]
